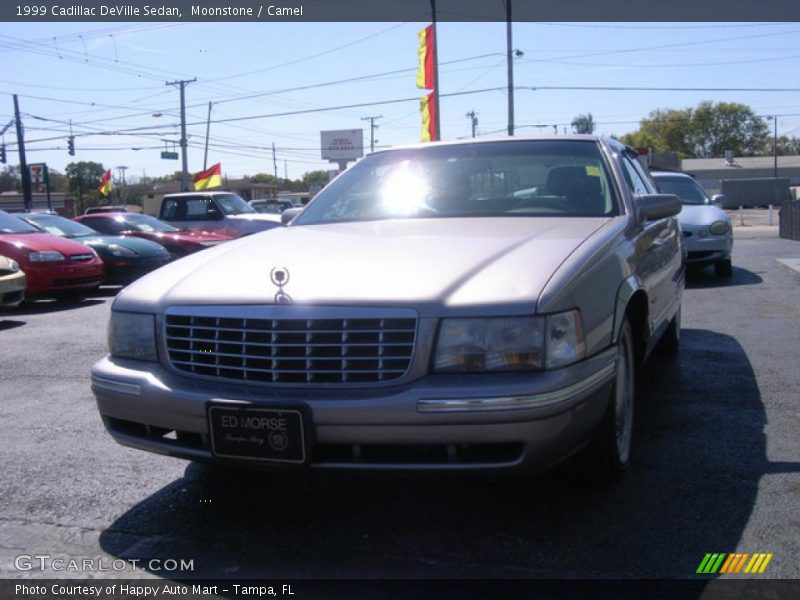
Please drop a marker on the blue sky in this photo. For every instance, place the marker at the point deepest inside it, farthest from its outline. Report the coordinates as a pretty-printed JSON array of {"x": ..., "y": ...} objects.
[{"x": 110, "y": 77}]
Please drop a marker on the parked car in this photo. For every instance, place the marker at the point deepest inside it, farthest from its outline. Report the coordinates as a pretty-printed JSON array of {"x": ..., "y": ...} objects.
[
  {"x": 271, "y": 207},
  {"x": 52, "y": 265},
  {"x": 707, "y": 229},
  {"x": 12, "y": 283},
  {"x": 125, "y": 258},
  {"x": 221, "y": 212},
  {"x": 416, "y": 315},
  {"x": 178, "y": 242}
]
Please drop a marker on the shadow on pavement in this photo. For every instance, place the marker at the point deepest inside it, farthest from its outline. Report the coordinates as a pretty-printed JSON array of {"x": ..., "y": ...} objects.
[
  {"x": 9, "y": 324},
  {"x": 37, "y": 307},
  {"x": 699, "y": 450},
  {"x": 705, "y": 278}
]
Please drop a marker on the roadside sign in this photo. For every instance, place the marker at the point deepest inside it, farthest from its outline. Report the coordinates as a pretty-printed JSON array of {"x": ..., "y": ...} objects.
[
  {"x": 38, "y": 173},
  {"x": 342, "y": 144},
  {"x": 169, "y": 155}
]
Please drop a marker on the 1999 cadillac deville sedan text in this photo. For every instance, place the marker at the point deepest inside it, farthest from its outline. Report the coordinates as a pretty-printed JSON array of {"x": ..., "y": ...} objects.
[{"x": 476, "y": 305}]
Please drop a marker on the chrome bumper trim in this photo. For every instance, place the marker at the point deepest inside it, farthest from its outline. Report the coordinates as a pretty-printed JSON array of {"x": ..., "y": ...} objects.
[
  {"x": 113, "y": 385},
  {"x": 437, "y": 405}
]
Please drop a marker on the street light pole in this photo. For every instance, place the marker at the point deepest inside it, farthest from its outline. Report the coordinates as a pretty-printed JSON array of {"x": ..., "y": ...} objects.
[{"x": 775, "y": 145}]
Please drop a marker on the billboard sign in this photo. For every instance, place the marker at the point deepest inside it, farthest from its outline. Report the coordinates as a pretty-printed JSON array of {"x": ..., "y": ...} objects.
[{"x": 342, "y": 144}]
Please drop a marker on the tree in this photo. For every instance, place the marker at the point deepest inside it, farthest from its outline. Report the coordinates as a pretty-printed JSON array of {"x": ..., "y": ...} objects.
[
  {"x": 706, "y": 131},
  {"x": 9, "y": 179},
  {"x": 319, "y": 178},
  {"x": 84, "y": 179},
  {"x": 583, "y": 124},
  {"x": 727, "y": 126}
]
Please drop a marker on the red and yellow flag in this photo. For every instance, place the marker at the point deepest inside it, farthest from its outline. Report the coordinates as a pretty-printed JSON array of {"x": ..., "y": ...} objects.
[
  {"x": 105, "y": 183},
  {"x": 210, "y": 178},
  {"x": 425, "y": 70},
  {"x": 427, "y": 106}
]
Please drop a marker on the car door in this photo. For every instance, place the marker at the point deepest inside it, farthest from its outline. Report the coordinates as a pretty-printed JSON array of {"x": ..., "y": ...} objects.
[
  {"x": 202, "y": 213},
  {"x": 658, "y": 248}
]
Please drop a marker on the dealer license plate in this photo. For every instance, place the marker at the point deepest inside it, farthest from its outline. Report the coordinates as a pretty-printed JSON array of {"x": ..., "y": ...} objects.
[{"x": 265, "y": 434}]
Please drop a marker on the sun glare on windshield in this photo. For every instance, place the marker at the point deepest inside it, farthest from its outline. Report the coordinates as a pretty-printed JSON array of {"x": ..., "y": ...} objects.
[{"x": 405, "y": 191}]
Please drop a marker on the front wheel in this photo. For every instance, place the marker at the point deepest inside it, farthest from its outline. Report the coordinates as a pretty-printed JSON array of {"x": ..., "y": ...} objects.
[
  {"x": 611, "y": 447},
  {"x": 723, "y": 268}
]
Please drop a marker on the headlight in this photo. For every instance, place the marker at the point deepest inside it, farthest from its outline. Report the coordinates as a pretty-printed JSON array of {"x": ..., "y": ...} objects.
[
  {"x": 509, "y": 343},
  {"x": 45, "y": 256},
  {"x": 720, "y": 227},
  {"x": 565, "y": 341},
  {"x": 132, "y": 335},
  {"x": 492, "y": 344},
  {"x": 13, "y": 266},
  {"x": 117, "y": 250}
]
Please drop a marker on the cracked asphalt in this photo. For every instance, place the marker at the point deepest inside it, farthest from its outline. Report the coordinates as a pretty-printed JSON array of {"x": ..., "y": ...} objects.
[{"x": 716, "y": 468}]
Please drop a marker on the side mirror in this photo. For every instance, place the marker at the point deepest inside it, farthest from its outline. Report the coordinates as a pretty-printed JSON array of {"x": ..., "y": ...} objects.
[
  {"x": 652, "y": 207},
  {"x": 719, "y": 200},
  {"x": 289, "y": 214}
]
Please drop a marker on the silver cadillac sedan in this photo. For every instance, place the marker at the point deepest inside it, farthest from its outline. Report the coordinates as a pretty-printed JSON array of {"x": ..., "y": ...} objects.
[{"x": 454, "y": 306}]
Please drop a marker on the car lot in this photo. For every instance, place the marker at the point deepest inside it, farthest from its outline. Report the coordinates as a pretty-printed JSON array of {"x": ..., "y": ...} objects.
[{"x": 716, "y": 467}]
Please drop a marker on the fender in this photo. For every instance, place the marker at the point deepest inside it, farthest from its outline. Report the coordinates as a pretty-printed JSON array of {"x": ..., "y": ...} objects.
[{"x": 627, "y": 289}]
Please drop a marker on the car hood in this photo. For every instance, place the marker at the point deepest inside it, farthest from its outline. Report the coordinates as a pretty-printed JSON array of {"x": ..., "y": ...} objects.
[
  {"x": 701, "y": 215},
  {"x": 141, "y": 246},
  {"x": 36, "y": 242},
  {"x": 429, "y": 264}
]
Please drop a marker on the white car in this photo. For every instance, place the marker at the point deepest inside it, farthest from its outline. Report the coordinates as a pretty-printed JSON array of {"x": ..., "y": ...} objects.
[{"x": 707, "y": 230}]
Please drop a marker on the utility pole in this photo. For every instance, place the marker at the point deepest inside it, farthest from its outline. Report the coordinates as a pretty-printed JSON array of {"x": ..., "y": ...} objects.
[
  {"x": 184, "y": 142},
  {"x": 510, "y": 65},
  {"x": 372, "y": 128},
  {"x": 208, "y": 129},
  {"x": 27, "y": 196},
  {"x": 473, "y": 117},
  {"x": 436, "y": 114},
  {"x": 121, "y": 169},
  {"x": 275, "y": 165},
  {"x": 775, "y": 145}
]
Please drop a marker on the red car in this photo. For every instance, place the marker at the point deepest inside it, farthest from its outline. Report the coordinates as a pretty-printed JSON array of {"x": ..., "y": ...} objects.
[
  {"x": 53, "y": 265},
  {"x": 179, "y": 242}
]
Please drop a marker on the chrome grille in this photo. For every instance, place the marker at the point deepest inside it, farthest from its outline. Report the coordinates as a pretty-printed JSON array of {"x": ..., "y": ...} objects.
[
  {"x": 81, "y": 257},
  {"x": 285, "y": 347}
]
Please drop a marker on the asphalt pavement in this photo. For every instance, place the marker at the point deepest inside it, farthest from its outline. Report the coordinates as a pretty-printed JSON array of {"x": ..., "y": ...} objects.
[{"x": 716, "y": 468}]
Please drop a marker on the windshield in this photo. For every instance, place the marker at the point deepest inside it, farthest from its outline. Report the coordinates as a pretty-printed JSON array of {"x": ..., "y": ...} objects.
[
  {"x": 11, "y": 224},
  {"x": 685, "y": 188},
  {"x": 526, "y": 178},
  {"x": 231, "y": 204},
  {"x": 60, "y": 226},
  {"x": 271, "y": 208},
  {"x": 146, "y": 224}
]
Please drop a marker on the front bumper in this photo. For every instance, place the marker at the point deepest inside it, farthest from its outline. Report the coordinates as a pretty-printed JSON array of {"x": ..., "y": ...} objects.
[
  {"x": 707, "y": 250},
  {"x": 56, "y": 278},
  {"x": 503, "y": 421},
  {"x": 12, "y": 290}
]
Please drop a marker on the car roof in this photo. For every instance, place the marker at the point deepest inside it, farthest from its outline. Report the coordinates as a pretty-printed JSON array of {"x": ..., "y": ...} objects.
[
  {"x": 198, "y": 193},
  {"x": 495, "y": 139},
  {"x": 671, "y": 174}
]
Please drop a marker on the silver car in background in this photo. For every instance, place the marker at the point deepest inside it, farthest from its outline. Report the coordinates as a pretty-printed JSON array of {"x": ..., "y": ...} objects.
[
  {"x": 454, "y": 306},
  {"x": 707, "y": 229}
]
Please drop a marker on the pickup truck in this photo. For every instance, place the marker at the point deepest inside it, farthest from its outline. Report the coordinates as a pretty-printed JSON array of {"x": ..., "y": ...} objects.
[{"x": 217, "y": 212}]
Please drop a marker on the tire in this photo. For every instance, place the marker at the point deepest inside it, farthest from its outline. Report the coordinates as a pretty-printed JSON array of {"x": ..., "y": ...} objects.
[
  {"x": 723, "y": 268},
  {"x": 610, "y": 450},
  {"x": 671, "y": 340}
]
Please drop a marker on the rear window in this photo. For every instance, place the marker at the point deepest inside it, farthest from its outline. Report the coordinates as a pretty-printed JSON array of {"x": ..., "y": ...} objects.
[
  {"x": 499, "y": 179},
  {"x": 685, "y": 188}
]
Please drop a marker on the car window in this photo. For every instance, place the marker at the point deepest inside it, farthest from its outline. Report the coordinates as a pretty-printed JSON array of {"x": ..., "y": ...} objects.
[
  {"x": 11, "y": 224},
  {"x": 231, "y": 204},
  {"x": 147, "y": 224},
  {"x": 500, "y": 179},
  {"x": 633, "y": 177},
  {"x": 104, "y": 225},
  {"x": 685, "y": 188},
  {"x": 61, "y": 226}
]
